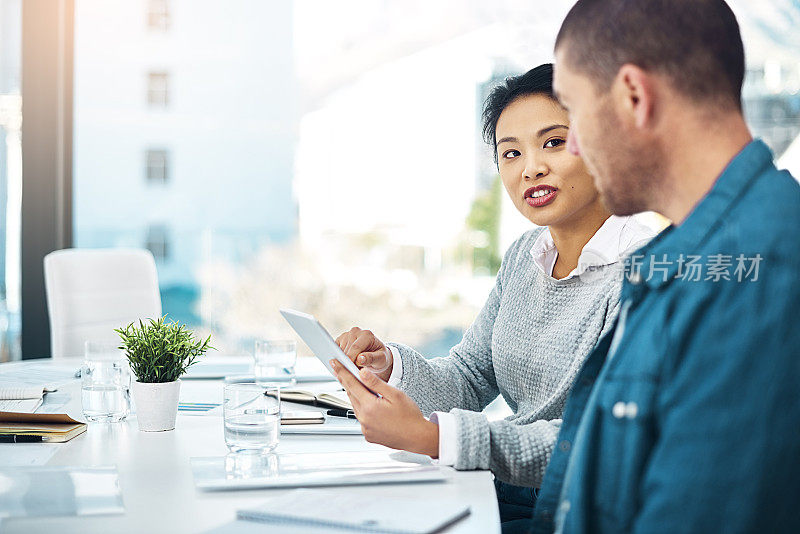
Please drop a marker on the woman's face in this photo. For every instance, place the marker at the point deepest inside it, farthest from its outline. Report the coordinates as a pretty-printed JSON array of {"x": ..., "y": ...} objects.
[{"x": 547, "y": 184}]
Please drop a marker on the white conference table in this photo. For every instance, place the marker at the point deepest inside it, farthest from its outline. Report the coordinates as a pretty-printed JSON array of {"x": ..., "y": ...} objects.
[{"x": 157, "y": 487}]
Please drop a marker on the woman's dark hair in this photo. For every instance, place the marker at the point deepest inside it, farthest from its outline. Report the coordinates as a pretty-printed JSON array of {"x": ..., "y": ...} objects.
[{"x": 538, "y": 80}]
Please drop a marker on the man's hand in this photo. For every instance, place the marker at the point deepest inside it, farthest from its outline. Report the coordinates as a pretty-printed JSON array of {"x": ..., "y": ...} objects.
[
  {"x": 366, "y": 350},
  {"x": 393, "y": 419}
]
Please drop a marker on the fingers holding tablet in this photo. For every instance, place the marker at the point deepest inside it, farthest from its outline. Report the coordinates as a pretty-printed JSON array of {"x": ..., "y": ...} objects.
[{"x": 365, "y": 349}]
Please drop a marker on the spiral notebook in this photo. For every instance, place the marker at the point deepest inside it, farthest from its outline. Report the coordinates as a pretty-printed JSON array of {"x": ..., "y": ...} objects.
[{"x": 336, "y": 509}]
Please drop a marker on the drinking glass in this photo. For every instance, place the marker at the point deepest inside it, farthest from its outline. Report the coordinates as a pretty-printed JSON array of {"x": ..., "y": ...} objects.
[
  {"x": 105, "y": 383},
  {"x": 251, "y": 416},
  {"x": 274, "y": 362}
]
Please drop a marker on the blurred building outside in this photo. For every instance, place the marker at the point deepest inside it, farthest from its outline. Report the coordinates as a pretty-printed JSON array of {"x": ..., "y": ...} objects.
[{"x": 316, "y": 155}]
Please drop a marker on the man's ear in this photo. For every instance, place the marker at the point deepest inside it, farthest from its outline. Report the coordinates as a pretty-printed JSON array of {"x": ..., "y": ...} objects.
[{"x": 633, "y": 91}]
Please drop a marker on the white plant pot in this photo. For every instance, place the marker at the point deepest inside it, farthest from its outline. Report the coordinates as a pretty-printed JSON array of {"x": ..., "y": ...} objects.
[{"x": 156, "y": 405}]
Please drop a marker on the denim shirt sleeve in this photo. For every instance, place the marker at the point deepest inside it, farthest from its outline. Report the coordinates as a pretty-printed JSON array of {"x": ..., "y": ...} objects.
[{"x": 729, "y": 413}]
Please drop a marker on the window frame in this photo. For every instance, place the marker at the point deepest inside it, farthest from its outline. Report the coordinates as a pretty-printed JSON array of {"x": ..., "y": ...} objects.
[
  {"x": 47, "y": 132},
  {"x": 158, "y": 89},
  {"x": 156, "y": 166},
  {"x": 158, "y": 16}
]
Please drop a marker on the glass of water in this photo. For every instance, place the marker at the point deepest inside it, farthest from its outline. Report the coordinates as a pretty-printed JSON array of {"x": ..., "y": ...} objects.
[
  {"x": 274, "y": 362},
  {"x": 105, "y": 384},
  {"x": 252, "y": 417}
]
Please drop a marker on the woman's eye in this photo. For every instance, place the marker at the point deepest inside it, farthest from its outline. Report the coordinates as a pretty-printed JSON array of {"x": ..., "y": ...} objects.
[
  {"x": 508, "y": 154},
  {"x": 554, "y": 143}
]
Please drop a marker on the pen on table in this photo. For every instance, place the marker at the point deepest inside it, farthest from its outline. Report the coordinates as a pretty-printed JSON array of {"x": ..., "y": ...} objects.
[
  {"x": 338, "y": 412},
  {"x": 20, "y": 438}
]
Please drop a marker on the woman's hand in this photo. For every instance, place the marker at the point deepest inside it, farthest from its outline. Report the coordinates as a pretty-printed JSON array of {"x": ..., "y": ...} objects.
[
  {"x": 393, "y": 419},
  {"x": 366, "y": 350}
]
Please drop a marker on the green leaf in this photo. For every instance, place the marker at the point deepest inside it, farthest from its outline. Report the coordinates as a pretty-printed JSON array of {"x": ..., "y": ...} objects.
[{"x": 160, "y": 351}]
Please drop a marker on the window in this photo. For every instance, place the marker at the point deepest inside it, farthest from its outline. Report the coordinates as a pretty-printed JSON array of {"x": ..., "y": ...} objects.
[
  {"x": 158, "y": 89},
  {"x": 283, "y": 136},
  {"x": 157, "y": 166},
  {"x": 10, "y": 178},
  {"x": 158, "y": 18},
  {"x": 158, "y": 242}
]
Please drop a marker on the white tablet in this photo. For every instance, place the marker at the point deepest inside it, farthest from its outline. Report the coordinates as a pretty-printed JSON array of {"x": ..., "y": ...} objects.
[{"x": 319, "y": 341}]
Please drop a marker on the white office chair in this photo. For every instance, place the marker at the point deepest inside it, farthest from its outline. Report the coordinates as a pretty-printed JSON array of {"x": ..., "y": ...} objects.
[{"x": 90, "y": 292}]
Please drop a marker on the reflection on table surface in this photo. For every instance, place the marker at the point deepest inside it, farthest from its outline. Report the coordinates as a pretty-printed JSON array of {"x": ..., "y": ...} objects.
[{"x": 158, "y": 486}]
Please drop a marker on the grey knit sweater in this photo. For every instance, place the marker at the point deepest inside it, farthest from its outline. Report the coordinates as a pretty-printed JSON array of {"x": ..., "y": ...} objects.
[{"x": 527, "y": 344}]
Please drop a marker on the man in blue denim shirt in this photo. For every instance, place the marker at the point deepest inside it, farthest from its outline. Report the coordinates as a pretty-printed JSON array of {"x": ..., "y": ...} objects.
[{"x": 685, "y": 418}]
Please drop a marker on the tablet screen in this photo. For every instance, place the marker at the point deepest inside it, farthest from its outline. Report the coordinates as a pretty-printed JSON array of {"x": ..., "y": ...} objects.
[{"x": 319, "y": 340}]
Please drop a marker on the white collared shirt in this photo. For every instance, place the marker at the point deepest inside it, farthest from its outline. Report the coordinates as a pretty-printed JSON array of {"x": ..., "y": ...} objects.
[{"x": 616, "y": 238}]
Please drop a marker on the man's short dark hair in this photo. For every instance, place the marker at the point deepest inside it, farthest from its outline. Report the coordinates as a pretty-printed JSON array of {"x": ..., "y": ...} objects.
[{"x": 696, "y": 44}]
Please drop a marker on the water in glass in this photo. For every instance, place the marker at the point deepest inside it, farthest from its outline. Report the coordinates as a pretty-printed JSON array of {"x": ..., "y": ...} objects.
[
  {"x": 105, "y": 384},
  {"x": 274, "y": 362},
  {"x": 251, "y": 416}
]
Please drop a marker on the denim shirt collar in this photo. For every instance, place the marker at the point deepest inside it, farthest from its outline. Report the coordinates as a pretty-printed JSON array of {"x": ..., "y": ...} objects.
[{"x": 707, "y": 214}]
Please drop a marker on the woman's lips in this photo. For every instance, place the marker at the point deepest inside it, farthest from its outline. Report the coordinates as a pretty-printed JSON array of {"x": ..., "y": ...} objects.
[{"x": 544, "y": 199}]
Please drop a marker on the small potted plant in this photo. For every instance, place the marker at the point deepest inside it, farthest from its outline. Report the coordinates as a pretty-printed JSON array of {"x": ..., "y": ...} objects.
[{"x": 159, "y": 353}]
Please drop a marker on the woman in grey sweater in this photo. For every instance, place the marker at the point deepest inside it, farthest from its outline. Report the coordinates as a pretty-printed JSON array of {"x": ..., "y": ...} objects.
[{"x": 556, "y": 293}]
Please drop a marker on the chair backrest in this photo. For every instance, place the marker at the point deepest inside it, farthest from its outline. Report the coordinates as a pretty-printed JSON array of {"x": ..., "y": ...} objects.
[{"x": 90, "y": 292}]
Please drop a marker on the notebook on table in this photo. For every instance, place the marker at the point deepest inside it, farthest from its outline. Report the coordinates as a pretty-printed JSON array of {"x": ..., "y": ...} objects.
[
  {"x": 328, "y": 394},
  {"x": 20, "y": 398},
  {"x": 326, "y": 508},
  {"x": 18, "y": 418},
  {"x": 52, "y": 427},
  {"x": 50, "y": 433},
  {"x": 324, "y": 399}
]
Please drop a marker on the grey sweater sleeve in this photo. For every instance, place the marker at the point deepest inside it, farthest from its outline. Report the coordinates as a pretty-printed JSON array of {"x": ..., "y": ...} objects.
[
  {"x": 517, "y": 449},
  {"x": 516, "y": 453}
]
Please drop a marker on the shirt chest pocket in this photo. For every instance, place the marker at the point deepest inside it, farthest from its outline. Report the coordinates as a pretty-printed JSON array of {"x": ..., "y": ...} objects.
[{"x": 626, "y": 420}]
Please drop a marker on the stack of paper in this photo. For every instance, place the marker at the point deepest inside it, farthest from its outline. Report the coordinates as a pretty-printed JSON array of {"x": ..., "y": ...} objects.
[{"x": 22, "y": 392}]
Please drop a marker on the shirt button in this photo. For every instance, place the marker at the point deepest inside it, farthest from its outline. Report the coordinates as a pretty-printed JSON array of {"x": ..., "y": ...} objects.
[
  {"x": 565, "y": 445},
  {"x": 631, "y": 410},
  {"x": 619, "y": 410}
]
